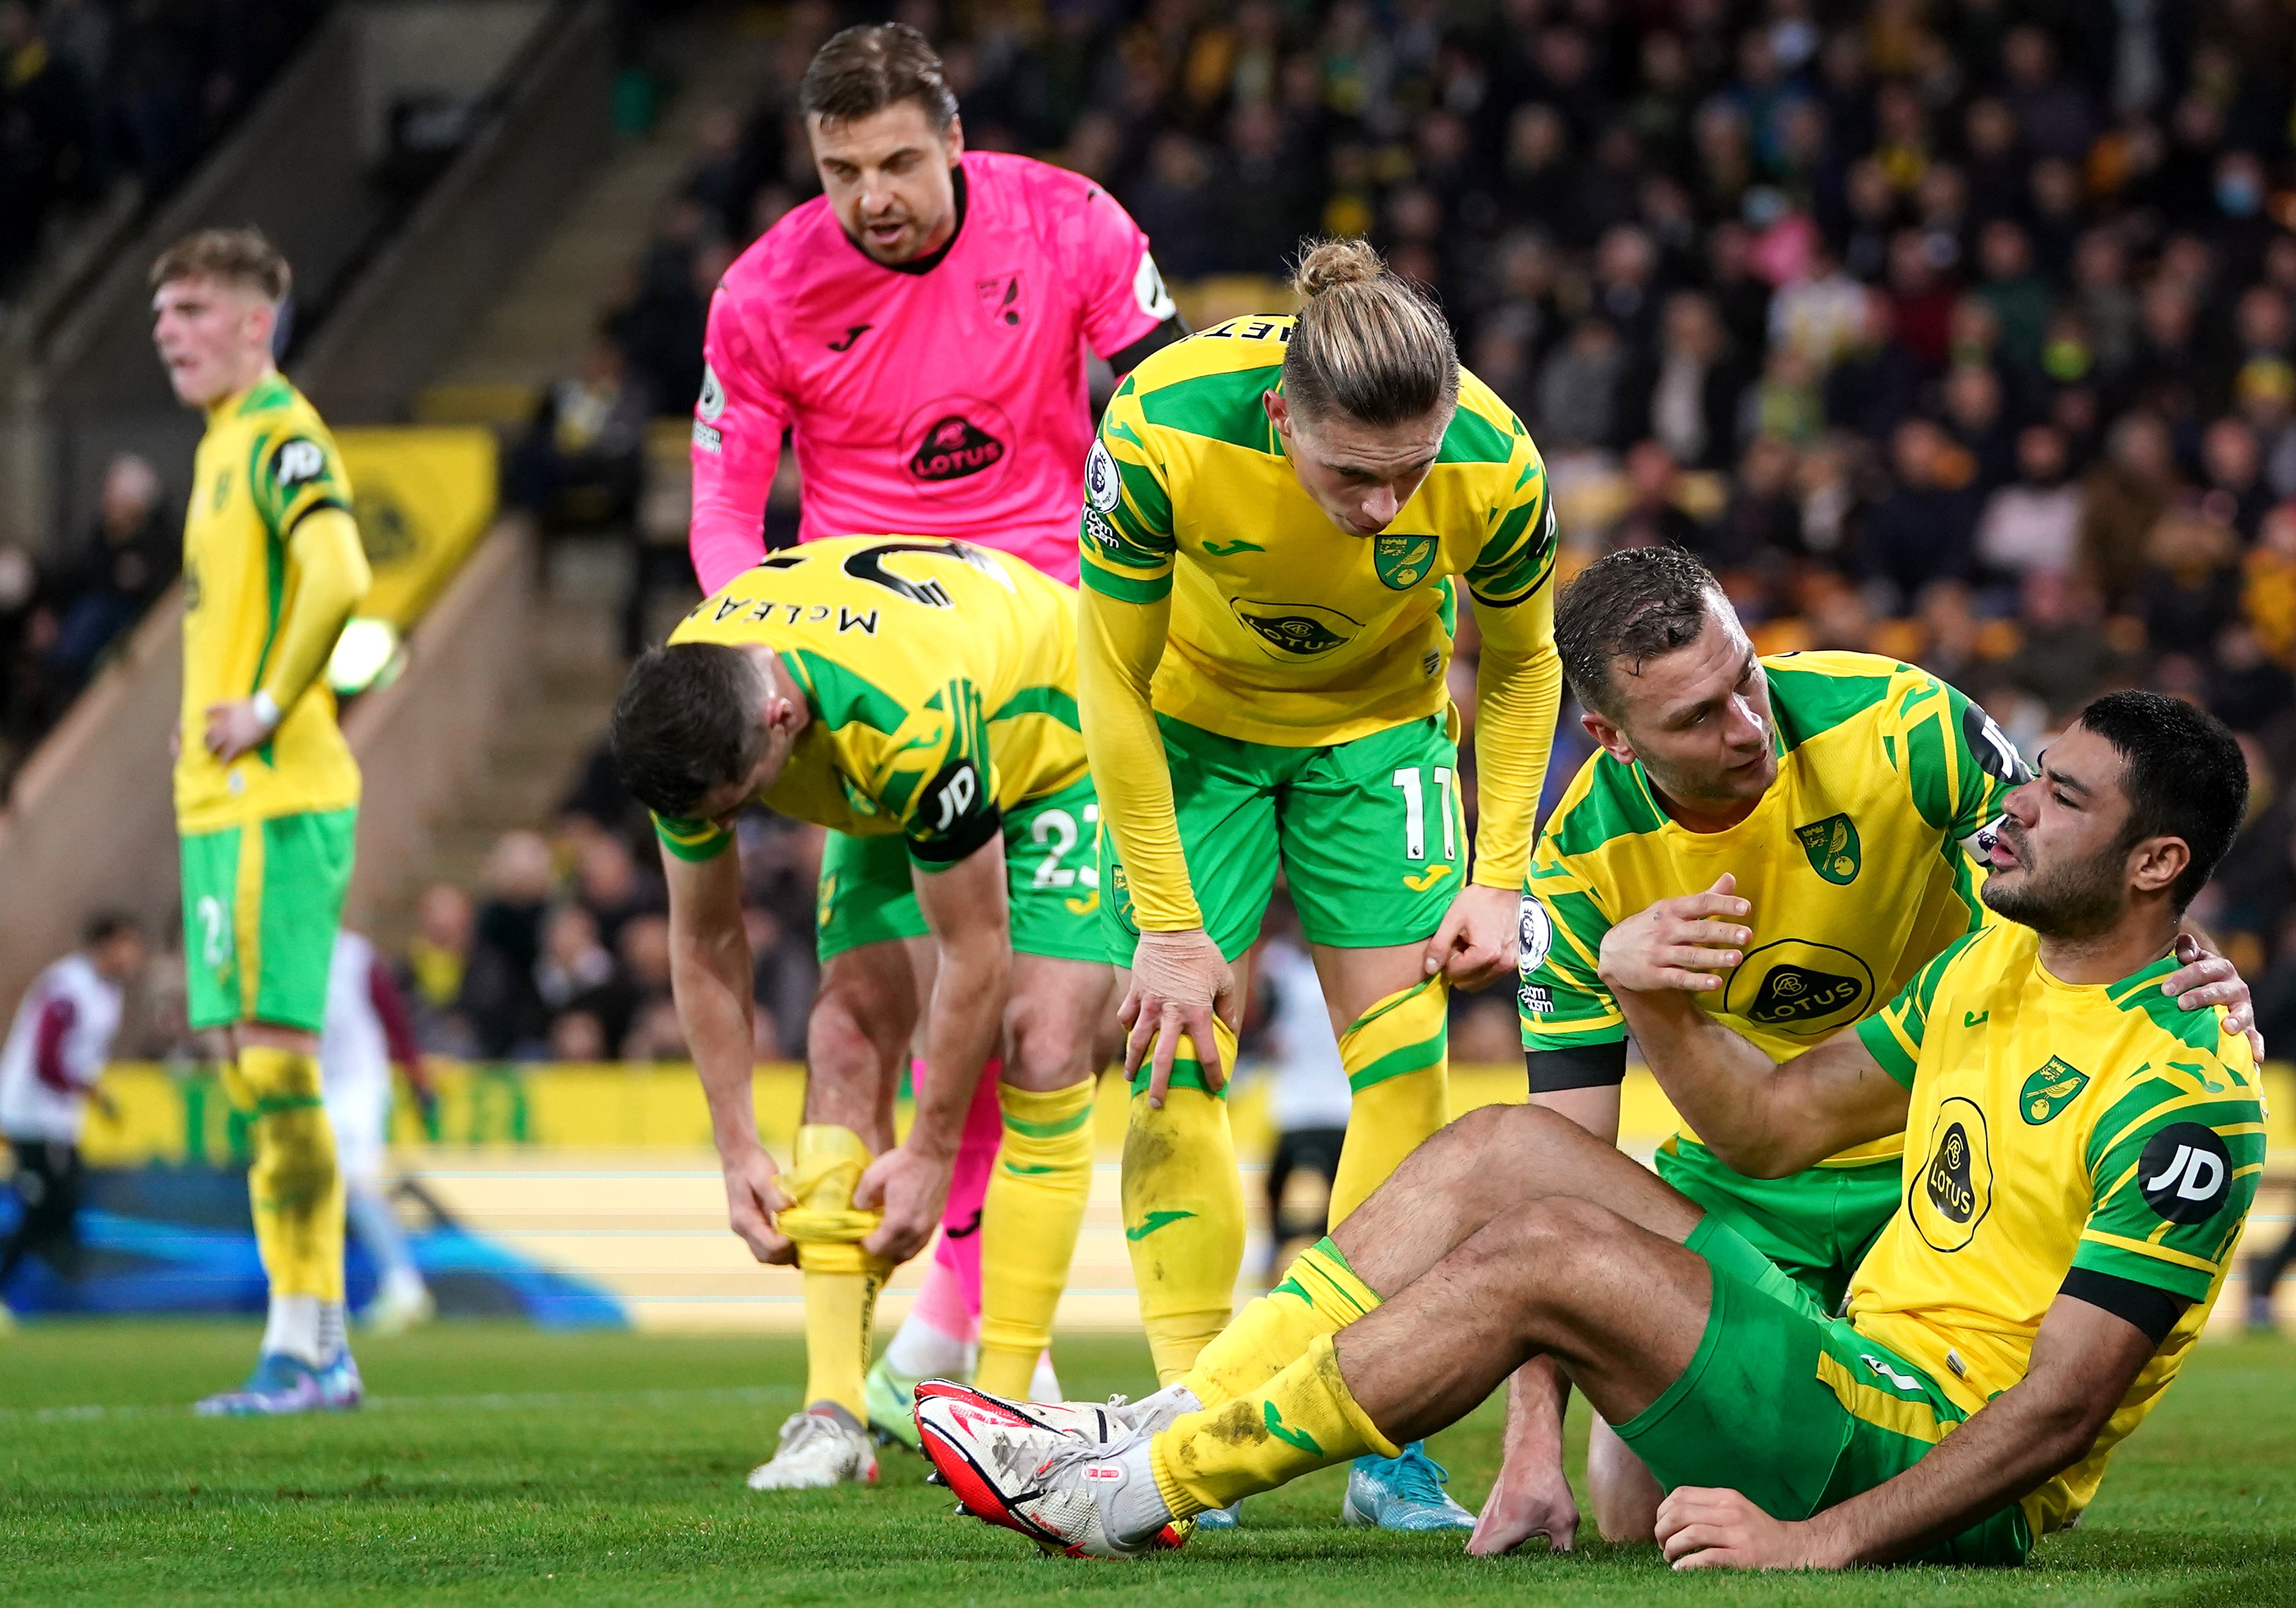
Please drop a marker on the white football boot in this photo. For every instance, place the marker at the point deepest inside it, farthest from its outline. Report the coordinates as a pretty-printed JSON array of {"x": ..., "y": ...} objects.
[
  {"x": 821, "y": 1446},
  {"x": 1085, "y": 1498}
]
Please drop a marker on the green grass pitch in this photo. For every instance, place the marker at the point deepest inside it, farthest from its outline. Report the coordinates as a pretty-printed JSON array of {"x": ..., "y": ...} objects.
[{"x": 493, "y": 1464}]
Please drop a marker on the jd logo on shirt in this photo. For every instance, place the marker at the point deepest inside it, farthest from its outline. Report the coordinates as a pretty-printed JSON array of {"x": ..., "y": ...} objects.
[
  {"x": 1796, "y": 986},
  {"x": 1832, "y": 846},
  {"x": 1951, "y": 1193},
  {"x": 1299, "y": 630},
  {"x": 2184, "y": 1172},
  {"x": 1402, "y": 562},
  {"x": 2049, "y": 1090}
]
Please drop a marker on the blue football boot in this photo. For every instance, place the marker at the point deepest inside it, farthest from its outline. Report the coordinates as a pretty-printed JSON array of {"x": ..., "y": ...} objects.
[{"x": 1403, "y": 1493}]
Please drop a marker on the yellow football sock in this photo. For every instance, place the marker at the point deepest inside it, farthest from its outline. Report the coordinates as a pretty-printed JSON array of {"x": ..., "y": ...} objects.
[
  {"x": 1036, "y": 1196},
  {"x": 292, "y": 1182},
  {"x": 1318, "y": 1294},
  {"x": 842, "y": 1280},
  {"x": 1397, "y": 1057},
  {"x": 1301, "y": 1420},
  {"x": 1183, "y": 1210}
]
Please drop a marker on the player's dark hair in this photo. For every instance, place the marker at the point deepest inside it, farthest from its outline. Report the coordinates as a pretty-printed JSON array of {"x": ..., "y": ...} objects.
[
  {"x": 242, "y": 257},
  {"x": 1366, "y": 344},
  {"x": 105, "y": 925},
  {"x": 2183, "y": 773},
  {"x": 867, "y": 68},
  {"x": 686, "y": 721},
  {"x": 1637, "y": 604}
]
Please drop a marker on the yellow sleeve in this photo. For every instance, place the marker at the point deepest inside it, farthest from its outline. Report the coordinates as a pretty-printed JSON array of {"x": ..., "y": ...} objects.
[
  {"x": 1518, "y": 696},
  {"x": 1119, "y": 644},
  {"x": 327, "y": 574}
]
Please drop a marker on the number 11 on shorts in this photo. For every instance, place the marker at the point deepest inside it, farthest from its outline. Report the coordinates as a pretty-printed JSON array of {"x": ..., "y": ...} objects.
[{"x": 1415, "y": 812}]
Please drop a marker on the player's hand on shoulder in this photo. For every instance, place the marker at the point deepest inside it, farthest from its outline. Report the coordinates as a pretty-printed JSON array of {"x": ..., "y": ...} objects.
[
  {"x": 1478, "y": 941},
  {"x": 753, "y": 1196},
  {"x": 2204, "y": 977},
  {"x": 1700, "y": 1527},
  {"x": 1680, "y": 943}
]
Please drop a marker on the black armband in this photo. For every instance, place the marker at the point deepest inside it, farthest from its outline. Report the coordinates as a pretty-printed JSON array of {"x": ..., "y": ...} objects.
[
  {"x": 2150, "y": 1308},
  {"x": 1174, "y": 328},
  {"x": 940, "y": 852},
  {"x": 1587, "y": 1066}
]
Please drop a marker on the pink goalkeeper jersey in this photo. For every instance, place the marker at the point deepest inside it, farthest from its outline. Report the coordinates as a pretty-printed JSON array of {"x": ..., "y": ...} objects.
[{"x": 945, "y": 398}]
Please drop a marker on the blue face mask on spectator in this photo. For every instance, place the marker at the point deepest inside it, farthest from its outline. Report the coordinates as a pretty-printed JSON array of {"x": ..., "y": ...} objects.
[{"x": 2238, "y": 195}]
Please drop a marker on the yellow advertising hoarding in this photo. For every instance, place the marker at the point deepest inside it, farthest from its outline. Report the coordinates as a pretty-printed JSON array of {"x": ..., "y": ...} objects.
[{"x": 422, "y": 496}]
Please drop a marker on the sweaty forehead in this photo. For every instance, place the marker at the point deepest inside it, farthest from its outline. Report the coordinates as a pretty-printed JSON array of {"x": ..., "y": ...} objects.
[{"x": 1706, "y": 666}]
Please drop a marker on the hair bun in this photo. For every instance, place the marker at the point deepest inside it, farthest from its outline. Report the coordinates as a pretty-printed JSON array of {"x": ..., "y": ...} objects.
[{"x": 1328, "y": 264}]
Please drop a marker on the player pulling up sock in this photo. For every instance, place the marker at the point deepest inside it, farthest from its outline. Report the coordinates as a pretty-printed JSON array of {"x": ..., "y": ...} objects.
[
  {"x": 919, "y": 333},
  {"x": 1278, "y": 515},
  {"x": 915, "y": 697}
]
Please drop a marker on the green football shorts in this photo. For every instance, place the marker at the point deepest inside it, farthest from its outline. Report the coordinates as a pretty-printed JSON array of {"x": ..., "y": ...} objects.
[
  {"x": 1797, "y": 1411},
  {"x": 1372, "y": 836},
  {"x": 261, "y": 906},
  {"x": 867, "y": 895},
  {"x": 1816, "y": 1225}
]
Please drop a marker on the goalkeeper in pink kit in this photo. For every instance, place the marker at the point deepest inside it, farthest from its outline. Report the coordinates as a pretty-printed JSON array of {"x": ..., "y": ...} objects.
[{"x": 921, "y": 333}]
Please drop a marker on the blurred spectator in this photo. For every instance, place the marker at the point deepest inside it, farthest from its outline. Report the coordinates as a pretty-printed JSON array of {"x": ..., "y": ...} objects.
[
  {"x": 430, "y": 976},
  {"x": 580, "y": 459},
  {"x": 2189, "y": 585},
  {"x": 2034, "y": 521},
  {"x": 2064, "y": 657},
  {"x": 577, "y": 973},
  {"x": 1924, "y": 528},
  {"x": 93, "y": 90},
  {"x": 2123, "y": 499},
  {"x": 499, "y": 994},
  {"x": 644, "y": 952},
  {"x": 609, "y": 887},
  {"x": 130, "y": 556},
  {"x": 1687, "y": 396},
  {"x": 1653, "y": 517},
  {"x": 1578, "y": 386}
]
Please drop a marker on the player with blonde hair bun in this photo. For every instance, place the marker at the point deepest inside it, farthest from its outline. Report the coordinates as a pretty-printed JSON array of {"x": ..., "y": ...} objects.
[{"x": 1279, "y": 512}]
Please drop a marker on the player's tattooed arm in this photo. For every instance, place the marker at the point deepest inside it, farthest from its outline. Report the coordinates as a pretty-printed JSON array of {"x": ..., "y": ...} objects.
[
  {"x": 964, "y": 905},
  {"x": 1763, "y": 1119},
  {"x": 2084, "y": 1360},
  {"x": 709, "y": 979}
]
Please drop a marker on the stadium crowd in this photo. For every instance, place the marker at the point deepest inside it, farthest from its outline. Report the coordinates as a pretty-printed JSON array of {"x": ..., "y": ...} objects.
[{"x": 94, "y": 90}]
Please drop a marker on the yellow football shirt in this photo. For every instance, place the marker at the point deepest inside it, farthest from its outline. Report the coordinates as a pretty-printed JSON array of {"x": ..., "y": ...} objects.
[
  {"x": 1284, "y": 629},
  {"x": 941, "y": 679},
  {"x": 265, "y": 463},
  {"x": 1853, "y": 861},
  {"x": 2098, "y": 1141}
]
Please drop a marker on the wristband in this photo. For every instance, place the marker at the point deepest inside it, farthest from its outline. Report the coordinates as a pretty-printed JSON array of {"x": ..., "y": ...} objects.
[{"x": 267, "y": 709}]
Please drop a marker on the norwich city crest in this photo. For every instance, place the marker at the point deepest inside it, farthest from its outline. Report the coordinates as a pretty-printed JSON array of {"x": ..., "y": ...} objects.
[
  {"x": 1294, "y": 629},
  {"x": 1831, "y": 845},
  {"x": 1402, "y": 562},
  {"x": 2050, "y": 1090}
]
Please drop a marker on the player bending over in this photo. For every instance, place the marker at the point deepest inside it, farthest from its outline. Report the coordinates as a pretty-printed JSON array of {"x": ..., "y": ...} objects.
[
  {"x": 1840, "y": 789},
  {"x": 266, "y": 792},
  {"x": 1279, "y": 516},
  {"x": 920, "y": 331},
  {"x": 2086, "y": 1150},
  {"x": 918, "y": 695}
]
